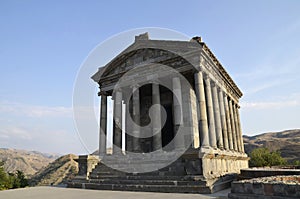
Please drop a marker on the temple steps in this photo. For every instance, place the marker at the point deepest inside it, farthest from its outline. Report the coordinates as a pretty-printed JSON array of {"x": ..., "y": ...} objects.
[
  {"x": 149, "y": 188},
  {"x": 184, "y": 180},
  {"x": 151, "y": 185},
  {"x": 145, "y": 182},
  {"x": 177, "y": 177},
  {"x": 102, "y": 171}
]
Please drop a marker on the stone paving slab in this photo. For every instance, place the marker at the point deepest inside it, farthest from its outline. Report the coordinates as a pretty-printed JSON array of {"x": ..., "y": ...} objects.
[{"x": 68, "y": 193}]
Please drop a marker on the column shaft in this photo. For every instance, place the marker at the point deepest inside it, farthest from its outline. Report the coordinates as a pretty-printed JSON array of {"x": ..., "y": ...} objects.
[
  {"x": 233, "y": 127},
  {"x": 177, "y": 113},
  {"x": 211, "y": 127},
  {"x": 238, "y": 138},
  {"x": 128, "y": 137},
  {"x": 217, "y": 117},
  {"x": 241, "y": 133},
  {"x": 228, "y": 122},
  {"x": 103, "y": 125},
  {"x": 117, "y": 136},
  {"x": 203, "y": 126},
  {"x": 136, "y": 119},
  {"x": 156, "y": 128},
  {"x": 223, "y": 120}
]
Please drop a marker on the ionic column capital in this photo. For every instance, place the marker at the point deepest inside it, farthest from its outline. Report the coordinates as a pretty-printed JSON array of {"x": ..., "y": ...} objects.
[
  {"x": 206, "y": 77},
  {"x": 220, "y": 89}
]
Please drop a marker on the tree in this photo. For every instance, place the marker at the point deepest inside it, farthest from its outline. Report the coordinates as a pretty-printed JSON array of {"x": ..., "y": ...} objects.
[
  {"x": 23, "y": 182},
  {"x": 4, "y": 179},
  {"x": 12, "y": 180},
  {"x": 261, "y": 157}
]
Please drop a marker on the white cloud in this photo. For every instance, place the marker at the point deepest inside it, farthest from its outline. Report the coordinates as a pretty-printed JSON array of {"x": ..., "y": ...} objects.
[
  {"x": 265, "y": 85},
  {"x": 15, "y": 132},
  {"x": 270, "y": 104},
  {"x": 59, "y": 140},
  {"x": 34, "y": 111}
]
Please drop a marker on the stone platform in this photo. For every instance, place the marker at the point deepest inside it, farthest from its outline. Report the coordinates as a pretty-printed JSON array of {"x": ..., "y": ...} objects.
[
  {"x": 267, "y": 171},
  {"x": 275, "y": 187},
  {"x": 182, "y": 176}
]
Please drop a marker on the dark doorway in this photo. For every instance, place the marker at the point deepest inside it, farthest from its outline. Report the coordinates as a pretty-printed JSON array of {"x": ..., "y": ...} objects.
[{"x": 168, "y": 129}]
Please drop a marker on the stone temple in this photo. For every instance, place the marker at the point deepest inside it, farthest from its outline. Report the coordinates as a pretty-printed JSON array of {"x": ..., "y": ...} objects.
[{"x": 176, "y": 124}]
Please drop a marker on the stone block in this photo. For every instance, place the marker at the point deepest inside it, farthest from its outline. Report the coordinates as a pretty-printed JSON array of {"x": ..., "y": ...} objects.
[
  {"x": 258, "y": 188},
  {"x": 237, "y": 187},
  {"x": 268, "y": 190},
  {"x": 248, "y": 188},
  {"x": 86, "y": 164},
  {"x": 290, "y": 190}
]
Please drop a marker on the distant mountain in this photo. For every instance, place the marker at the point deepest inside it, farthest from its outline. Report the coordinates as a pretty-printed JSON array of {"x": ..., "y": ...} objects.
[
  {"x": 287, "y": 142},
  {"x": 27, "y": 161},
  {"x": 58, "y": 171}
]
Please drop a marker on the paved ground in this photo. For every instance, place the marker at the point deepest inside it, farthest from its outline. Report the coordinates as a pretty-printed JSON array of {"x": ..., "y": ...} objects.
[{"x": 67, "y": 193}]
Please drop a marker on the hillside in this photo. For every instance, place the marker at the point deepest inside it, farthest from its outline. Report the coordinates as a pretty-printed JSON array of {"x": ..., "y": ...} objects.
[
  {"x": 62, "y": 169},
  {"x": 287, "y": 142},
  {"x": 27, "y": 161}
]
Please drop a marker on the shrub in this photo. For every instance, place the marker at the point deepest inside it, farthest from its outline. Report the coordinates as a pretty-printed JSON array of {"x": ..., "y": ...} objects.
[
  {"x": 261, "y": 157},
  {"x": 12, "y": 180},
  {"x": 296, "y": 163}
]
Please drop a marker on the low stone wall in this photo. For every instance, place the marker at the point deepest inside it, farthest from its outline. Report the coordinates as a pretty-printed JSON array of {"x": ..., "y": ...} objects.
[
  {"x": 267, "y": 171},
  {"x": 275, "y": 187},
  {"x": 86, "y": 164}
]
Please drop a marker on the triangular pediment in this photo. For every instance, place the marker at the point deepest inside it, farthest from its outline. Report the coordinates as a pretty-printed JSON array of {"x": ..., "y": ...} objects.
[
  {"x": 138, "y": 57},
  {"x": 149, "y": 51}
]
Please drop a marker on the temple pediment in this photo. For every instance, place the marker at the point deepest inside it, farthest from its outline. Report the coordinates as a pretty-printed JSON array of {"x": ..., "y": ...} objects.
[
  {"x": 144, "y": 51},
  {"x": 183, "y": 56}
]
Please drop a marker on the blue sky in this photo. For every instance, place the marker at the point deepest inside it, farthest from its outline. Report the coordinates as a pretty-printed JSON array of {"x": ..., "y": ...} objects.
[{"x": 44, "y": 43}]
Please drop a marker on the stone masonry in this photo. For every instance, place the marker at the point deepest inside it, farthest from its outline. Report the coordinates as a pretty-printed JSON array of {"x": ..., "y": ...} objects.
[{"x": 178, "y": 93}]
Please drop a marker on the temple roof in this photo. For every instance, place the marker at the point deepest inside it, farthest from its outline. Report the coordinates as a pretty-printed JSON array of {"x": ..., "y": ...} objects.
[{"x": 180, "y": 48}]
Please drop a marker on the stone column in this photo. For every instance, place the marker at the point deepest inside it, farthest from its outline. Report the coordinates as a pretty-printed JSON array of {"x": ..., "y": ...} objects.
[
  {"x": 156, "y": 117},
  {"x": 203, "y": 126},
  {"x": 103, "y": 124},
  {"x": 136, "y": 119},
  {"x": 128, "y": 137},
  {"x": 240, "y": 128},
  {"x": 117, "y": 134},
  {"x": 235, "y": 147},
  {"x": 217, "y": 116},
  {"x": 211, "y": 125},
  {"x": 177, "y": 113},
  {"x": 228, "y": 122},
  {"x": 223, "y": 120},
  {"x": 238, "y": 138}
]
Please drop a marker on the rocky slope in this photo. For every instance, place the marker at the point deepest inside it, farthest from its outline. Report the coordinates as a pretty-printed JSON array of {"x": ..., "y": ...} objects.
[
  {"x": 287, "y": 142},
  {"x": 27, "y": 161},
  {"x": 57, "y": 172}
]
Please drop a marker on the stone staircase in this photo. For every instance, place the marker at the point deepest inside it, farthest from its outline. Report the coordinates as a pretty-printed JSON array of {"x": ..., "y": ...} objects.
[
  {"x": 105, "y": 178},
  {"x": 178, "y": 177}
]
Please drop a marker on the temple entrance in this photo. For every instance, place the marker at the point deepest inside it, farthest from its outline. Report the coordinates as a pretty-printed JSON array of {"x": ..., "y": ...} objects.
[{"x": 167, "y": 132}]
